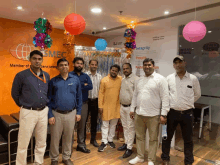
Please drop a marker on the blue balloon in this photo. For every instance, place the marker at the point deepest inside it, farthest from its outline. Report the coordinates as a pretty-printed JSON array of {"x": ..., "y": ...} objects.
[{"x": 100, "y": 44}]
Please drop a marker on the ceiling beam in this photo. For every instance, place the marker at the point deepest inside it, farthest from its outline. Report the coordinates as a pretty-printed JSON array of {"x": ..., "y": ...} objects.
[{"x": 165, "y": 16}]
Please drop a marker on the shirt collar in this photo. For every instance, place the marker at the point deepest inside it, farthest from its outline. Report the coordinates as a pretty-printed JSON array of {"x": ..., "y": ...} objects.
[
  {"x": 89, "y": 73},
  {"x": 152, "y": 75},
  {"x": 186, "y": 74},
  {"x": 41, "y": 72},
  {"x": 112, "y": 78},
  {"x": 131, "y": 75},
  {"x": 81, "y": 73},
  {"x": 69, "y": 76}
]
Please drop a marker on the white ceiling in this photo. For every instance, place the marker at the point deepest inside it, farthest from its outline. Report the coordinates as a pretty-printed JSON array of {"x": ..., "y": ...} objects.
[{"x": 137, "y": 10}]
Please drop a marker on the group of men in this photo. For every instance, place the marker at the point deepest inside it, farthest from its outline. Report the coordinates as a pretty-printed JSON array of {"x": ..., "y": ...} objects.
[{"x": 141, "y": 102}]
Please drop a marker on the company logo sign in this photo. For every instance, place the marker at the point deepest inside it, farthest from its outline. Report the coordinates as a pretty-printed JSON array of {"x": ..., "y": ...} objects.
[
  {"x": 143, "y": 48},
  {"x": 22, "y": 52}
]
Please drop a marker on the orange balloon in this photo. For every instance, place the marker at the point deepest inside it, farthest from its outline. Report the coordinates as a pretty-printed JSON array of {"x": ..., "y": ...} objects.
[{"x": 74, "y": 24}]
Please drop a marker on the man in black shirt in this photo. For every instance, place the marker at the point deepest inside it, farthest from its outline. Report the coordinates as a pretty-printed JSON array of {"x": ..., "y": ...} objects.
[{"x": 29, "y": 91}]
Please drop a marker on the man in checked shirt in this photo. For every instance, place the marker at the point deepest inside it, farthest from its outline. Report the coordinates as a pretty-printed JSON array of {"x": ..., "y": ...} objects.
[{"x": 93, "y": 99}]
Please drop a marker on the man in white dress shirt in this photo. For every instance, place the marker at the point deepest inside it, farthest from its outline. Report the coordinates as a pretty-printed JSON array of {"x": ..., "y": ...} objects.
[
  {"x": 184, "y": 90},
  {"x": 151, "y": 100},
  {"x": 93, "y": 99},
  {"x": 126, "y": 94}
]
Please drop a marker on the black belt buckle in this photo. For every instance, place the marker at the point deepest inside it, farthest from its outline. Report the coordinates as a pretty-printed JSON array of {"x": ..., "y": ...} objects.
[
  {"x": 32, "y": 108},
  {"x": 93, "y": 99},
  {"x": 63, "y": 112},
  {"x": 126, "y": 105},
  {"x": 39, "y": 109},
  {"x": 183, "y": 112}
]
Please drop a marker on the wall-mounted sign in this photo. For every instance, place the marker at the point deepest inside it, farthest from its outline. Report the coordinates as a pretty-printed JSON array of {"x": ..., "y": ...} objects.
[{"x": 22, "y": 52}]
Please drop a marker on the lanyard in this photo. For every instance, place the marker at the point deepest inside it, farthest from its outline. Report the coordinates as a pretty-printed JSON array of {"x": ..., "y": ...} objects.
[{"x": 44, "y": 80}]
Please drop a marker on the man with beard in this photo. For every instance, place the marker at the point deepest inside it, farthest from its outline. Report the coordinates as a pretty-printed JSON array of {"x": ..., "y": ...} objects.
[
  {"x": 151, "y": 100},
  {"x": 29, "y": 91},
  {"x": 184, "y": 90},
  {"x": 109, "y": 106},
  {"x": 65, "y": 105},
  {"x": 126, "y": 94},
  {"x": 93, "y": 99},
  {"x": 86, "y": 85}
]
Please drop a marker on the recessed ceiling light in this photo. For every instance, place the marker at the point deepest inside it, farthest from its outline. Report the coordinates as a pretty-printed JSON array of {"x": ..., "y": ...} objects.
[
  {"x": 96, "y": 10},
  {"x": 209, "y": 31},
  {"x": 166, "y": 12},
  {"x": 104, "y": 28},
  {"x": 192, "y": 48},
  {"x": 19, "y": 8}
]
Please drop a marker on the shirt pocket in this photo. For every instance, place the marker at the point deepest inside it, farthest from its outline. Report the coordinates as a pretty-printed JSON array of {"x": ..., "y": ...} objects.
[
  {"x": 188, "y": 90},
  {"x": 72, "y": 88}
]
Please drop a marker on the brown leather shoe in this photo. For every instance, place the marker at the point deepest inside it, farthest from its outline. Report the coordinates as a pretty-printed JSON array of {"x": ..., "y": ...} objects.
[{"x": 166, "y": 162}]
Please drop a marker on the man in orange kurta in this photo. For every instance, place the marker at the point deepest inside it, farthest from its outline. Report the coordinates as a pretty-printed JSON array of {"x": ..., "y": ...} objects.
[{"x": 109, "y": 106}]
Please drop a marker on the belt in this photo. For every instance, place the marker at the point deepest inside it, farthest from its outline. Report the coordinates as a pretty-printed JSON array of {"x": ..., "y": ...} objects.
[
  {"x": 33, "y": 108},
  {"x": 182, "y": 112},
  {"x": 93, "y": 99},
  {"x": 126, "y": 105},
  {"x": 63, "y": 112}
]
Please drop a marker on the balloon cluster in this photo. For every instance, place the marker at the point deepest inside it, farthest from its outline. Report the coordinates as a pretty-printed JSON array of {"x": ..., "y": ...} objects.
[
  {"x": 130, "y": 43},
  {"x": 43, "y": 28}
]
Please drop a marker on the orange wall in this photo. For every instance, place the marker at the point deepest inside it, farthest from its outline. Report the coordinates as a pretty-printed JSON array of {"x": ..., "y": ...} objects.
[{"x": 13, "y": 33}]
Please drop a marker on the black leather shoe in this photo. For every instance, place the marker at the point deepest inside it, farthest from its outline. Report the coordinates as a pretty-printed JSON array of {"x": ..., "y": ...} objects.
[
  {"x": 82, "y": 149},
  {"x": 127, "y": 153},
  {"x": 94, "y": 143},
  {"x": 67, "y": 162},
  {"x": 123, "y": 147}
]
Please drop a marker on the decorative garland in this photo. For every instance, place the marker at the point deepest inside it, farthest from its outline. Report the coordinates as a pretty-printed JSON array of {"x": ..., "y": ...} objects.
[
  {"x": 68, "y": 41},
  {"x": 130, "y": 43},
  {"x": 43, "y": 28}
]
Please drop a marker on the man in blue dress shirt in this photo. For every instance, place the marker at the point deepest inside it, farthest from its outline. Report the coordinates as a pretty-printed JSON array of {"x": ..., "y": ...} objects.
[
  {"x": 65, "y": 104},
  {"x": 86, "y": 85}
]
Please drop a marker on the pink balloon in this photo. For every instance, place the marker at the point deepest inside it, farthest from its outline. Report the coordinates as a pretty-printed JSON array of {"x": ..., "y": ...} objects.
[{"x": 194, "y": 31}]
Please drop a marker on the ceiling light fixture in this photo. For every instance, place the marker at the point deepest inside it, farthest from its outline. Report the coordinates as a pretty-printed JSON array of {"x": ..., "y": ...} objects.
[
  {"x": 209, "y": 31},
  {"x": 132, "y": 21},
  {"x": 96, "y": 10},
  {"x": 166, "y": 12},
  {"x": 104, "y": 28},
  {"x": 19, "y": 8}
]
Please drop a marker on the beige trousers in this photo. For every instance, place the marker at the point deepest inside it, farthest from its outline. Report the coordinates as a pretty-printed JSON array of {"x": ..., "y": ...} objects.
[
  {"x": 142, "y": 123},
  {"x": 28, "y": 121},
  {"x": 64, "y": 126}
]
